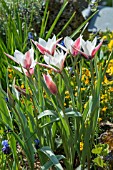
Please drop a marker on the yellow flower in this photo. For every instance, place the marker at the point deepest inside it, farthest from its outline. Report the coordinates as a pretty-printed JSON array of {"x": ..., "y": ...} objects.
[
  {"x": 83, "y": 77},
  {"x": 67, "y": 92},
  {"x": 10, "y": 76},
  {"x": 67, "y": 97},
  {"x": 104, "y": 37},
  {"x": 45, "y": 96},
  {"x": 76, "y": 94},
  {"x": 81, "y": 146},
  {"x": 85, "y": 105},
  {"x": 111, "y": 61},
  {"x": 87, "y": 81},
  {"x": 30, "y": 91},
  {"x": 65, "y": 104},
  {"x": 104, "y": 96},
  {"x": 104, "y": 109},
  {"x": 99, "y": 119},
  {"x": 22, "y": 86},
  {"x": 111, "y": 89},
  {"x": 110, "y": 35},
  {"x": 10, "y": 70},
  {"x": 82, "y": 89},
  {"x": 50, "y": 71},
  {"x": 87, "y": 73},
  {"x": 110, "y": 45}
]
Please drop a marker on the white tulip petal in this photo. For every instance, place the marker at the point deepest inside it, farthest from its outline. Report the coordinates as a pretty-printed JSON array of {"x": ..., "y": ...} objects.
[
  {"x": 19, "y": 57},
  {"x": 68, "y": 42},
  {"x": 42, "y": 42}
]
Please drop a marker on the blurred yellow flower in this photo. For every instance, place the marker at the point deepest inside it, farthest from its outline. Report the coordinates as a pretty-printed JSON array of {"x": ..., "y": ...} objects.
[
  {"x": 76, "y": 94},
  {"x": 22, "y": 86},
  {"x": 104, "y": 96},
  {"x": 10, "y": 70},
  {"x": 30, "y": 91},
  {"x": 83, "y": 77},
  {"x": 104, "y": 109},
  {"x": 87, "y": 73},
  {"x": 82, "y": 89},
  {"x": 45, "y": 96},
  {"x": 81, "y": 146},
  {"x": 85, "y": 105},
  {"x": 67, "y": 97},
  {"x": 99, "y": 119},
  {"x": 110, "y": 45},
  {"x": 10, "y": 76},
  {"x": 111, "y": 89},
  {"x": 67, "y": 92},
  {"x": 111, "y": 35},
  {"x": 50, "y": 71},
  {"x": 65, "y": 104},
  {"x": 86, "y": 81},
  {"x": 104, "y": 37}
]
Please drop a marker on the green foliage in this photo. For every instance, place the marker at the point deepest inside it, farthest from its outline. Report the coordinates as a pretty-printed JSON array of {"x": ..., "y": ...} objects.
[{"x": 101, "y": 150}]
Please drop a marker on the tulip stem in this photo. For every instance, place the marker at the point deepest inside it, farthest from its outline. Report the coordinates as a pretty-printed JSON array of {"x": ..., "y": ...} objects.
[{"x": 92, "y": 77}]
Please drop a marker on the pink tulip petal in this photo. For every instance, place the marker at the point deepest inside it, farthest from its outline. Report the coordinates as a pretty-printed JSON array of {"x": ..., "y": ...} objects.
[
  {"x": 50, "y": 84},
  {"x": 81, "y": 52},
  {"x": 41, "y": 48},
  {"x": 96, "y": 49},
  {"x": 27, "y": 60},
  {"x": 76, "y": 45},
  {"x": 54, "y": 46},
  {"x": 12, "y": 58}
]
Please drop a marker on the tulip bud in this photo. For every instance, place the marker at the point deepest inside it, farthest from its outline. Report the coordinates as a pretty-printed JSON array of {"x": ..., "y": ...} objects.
[{"x": 50, "y": 84}]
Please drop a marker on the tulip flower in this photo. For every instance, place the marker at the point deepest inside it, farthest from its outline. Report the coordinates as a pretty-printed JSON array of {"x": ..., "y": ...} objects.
[
  {"x": 47, "y": 47},
  {"x": 50, "y": 84},
  {"x": 25, "y": 60},
  {"x": 57, "y": 60},
  {"x": 73, "y": 46},
  {"x": 90, "y": 48}
]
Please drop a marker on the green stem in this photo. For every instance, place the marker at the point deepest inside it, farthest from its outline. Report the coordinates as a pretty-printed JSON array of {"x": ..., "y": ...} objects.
[
  {"x": 92, "y": 77},
  {"x": 78, "y": 73}
]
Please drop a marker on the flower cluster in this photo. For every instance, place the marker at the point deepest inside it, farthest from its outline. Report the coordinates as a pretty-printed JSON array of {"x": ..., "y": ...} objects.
[{"x": 53, "y": 57}]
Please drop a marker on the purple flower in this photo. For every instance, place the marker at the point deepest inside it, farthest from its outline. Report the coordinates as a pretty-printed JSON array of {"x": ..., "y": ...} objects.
[
  {"x": 5, "y": 143},
  {"x": 6, "y": 99},
  {"x": 37, "y": 143},
  {"x": 62, "y": 43},
  {"x": 6, "y": 149},
  {"x": 30, "y": 36}
]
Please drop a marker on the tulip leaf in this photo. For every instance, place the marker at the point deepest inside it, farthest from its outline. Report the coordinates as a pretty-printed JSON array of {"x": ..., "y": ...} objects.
[
  {"x": 82, "y": 25},
  {"x": 56, "y": 19},
  {"x": 49, "y": 164},
  {"x": 49, "y": 153},
  {"x": 47, "y": 113}
]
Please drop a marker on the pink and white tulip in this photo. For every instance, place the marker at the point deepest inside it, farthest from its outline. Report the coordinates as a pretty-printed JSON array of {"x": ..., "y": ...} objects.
[
  {"x": 73, "y": 46},
  {"x": 90, "y": 48},
  {"x": 57, "y": 60},
  {"x": 47, "y": 47},
  {"x": 25, "y": 60},
  {"x": 50, "y": 84}
]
